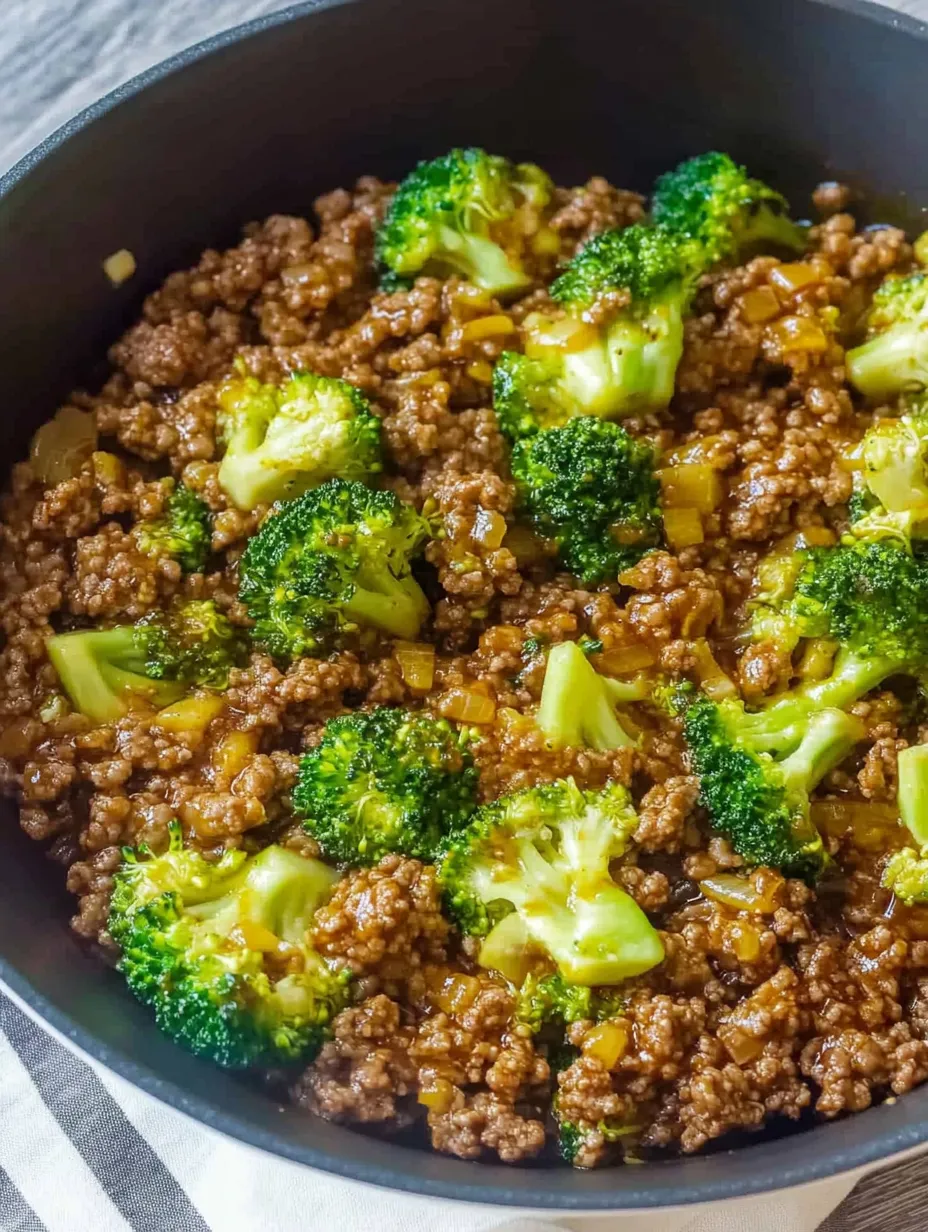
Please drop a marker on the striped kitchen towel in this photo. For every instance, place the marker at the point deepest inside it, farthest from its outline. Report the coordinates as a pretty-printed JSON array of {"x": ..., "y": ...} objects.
[{"x": 83, "y": 1151}]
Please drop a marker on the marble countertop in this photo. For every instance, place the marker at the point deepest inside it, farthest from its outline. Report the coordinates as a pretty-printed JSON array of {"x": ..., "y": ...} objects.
[{"x": 58, "y": 55}]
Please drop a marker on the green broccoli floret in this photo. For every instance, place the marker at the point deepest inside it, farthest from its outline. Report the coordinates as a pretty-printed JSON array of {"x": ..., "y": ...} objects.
[
  {"x": 906, "y": 872},
  {"x": 548, "y": 1000},
  {"x": 192, "y": 642},
  {"x": 756, "y": 772},
  {"x": 332, "y": 561},
  {"x": 545, "y": 854},
  {"x": 616, "y": 349},
  {"x": 108, "y": 672},
  {"x": 573, "y": 1136},
  {"x": 895, "y": 356},
  {"x": 459, "y": 214},
  {"x": 590, "y": 487},
  {"x": 281, "y": 441},
  {"x": 385, "y": 780},
  {"x": 715, "y": 203},
  {"x": 219, "y": 951},
  {"x": 183, "y": 531},
  {"x": 894, "y": 497},
  {"x": 578, "y": 704}
]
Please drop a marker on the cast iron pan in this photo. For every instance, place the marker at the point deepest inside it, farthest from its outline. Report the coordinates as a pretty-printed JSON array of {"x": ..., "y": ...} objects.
[{"x": 260, "y": 120}]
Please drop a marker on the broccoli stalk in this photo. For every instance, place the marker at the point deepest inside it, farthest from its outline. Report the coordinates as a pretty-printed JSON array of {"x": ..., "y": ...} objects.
[
  {"x": 591, "y": 488},
  {"x": 219, "y": 951},
  {"x": 906, "y": 871},
  {"x": 895, "y": 356},
  {"x": 616, "y": 349},
  {"x": 716, "y": 204},
  {"x": 578, "y": 705},
  {"x": 756, "y": 772},
  {"x": 108, "y": 672},
  {"x": 545, "y": 854},
  {"x": 103, "y": 673},
  {"x": 184, "y": 530},
  {"x": 331, "y": 561},
  {"x": 385, "y": 780},
  {"x": 279, "y": 442}
]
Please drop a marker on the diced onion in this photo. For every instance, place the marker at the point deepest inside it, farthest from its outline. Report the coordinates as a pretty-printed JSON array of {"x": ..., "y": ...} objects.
[
  {"x": 437, "y": 1095},
  {"x": 683, "y": 528},
  {"x": 817, "y": 658},
  {"x": 691, "y": 485},
  {"x": 489, "y": 528},
  {"x": 607, "y": 1042},
  {"x": 566, "y": 334},
  {"x": 759, "y": 305},
  {"x": 794, "y": 275},
  {"x": 190, "y": 715},
  {"x": 625, "y": 660},
  {"x": 467, "y": 706},
  {"x": 870, "y": 825},
  {"x": 700, "y": 451},
  {"x": 745, "y": 942},
  {"x": 417, "y": 664},
  {"x": 480, "y": 371},
  {"x": 234, "y": 751},
  {"x": 798, "y": 334},
  {"x": 457, "y": 993},
  {"x": 487, "y": 327},
  {"x": 525, "y": 546},
  {"x": 739, "y": 1044},
  {"x": 61, "y": 447},
  {"x": 119, "y": 266},
  {"x": 740, "y": 893}
]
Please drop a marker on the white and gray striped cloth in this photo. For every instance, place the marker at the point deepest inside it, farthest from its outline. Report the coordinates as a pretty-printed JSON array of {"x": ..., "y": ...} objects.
[{"x": 80, "y": 1149}]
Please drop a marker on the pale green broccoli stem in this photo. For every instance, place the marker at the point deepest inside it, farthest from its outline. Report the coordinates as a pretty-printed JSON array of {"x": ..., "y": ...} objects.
[
  {"x": 912, "y": 792},
  {"x": 852, "y": 677},
  {"x": 769, "y": 226},
  {"x": 395, "y": 605},
  {"x": 892, "y": 361},
  {"x": 645, "y": 353},
  {"x": 578, "y": 705},
  {"x": 829, "y": 736},
  {"x": 103, "y": 673},
  {"x": 480, "y": 261}
]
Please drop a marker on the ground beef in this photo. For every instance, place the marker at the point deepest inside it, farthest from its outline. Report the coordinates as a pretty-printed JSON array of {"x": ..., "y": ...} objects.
[
  {"x": 813, "y": 1004},
  {"x": 383, "y": 921}
]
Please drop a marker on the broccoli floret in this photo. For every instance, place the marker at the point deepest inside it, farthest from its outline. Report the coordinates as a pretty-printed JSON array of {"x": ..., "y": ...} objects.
[
  {"x": 183, "y": 531},
  {"x": 545, "y": 853},
  {"x": 893, "y": 455},
  {"x": 756, "y": 772},
  {"x": 460, "y": 214},
  {"x": 548, "y": 1000},
  {"x": 219, "y": 951},
  {"x": 332, "y": 561},
  {"x": 192, "y": 642},
  {"x": 895, "y": 356},
  {"x": 573, "y": 1136},
  {"x": 616, "y": 349},
  {"x": 385, "y": 780},
  {"x": 578, "y": 704},
  {"x": 590, "y": 487},
  {"x": 281, "y": 441},
  {"x": 869, "y": 596},
  {"x": 906, "y": 874},
  {"x": 108, "y": 672},
  {"x": 715, "y": 203}
]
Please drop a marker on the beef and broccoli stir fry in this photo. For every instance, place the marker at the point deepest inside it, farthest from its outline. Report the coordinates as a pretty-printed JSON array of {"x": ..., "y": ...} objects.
[{"x": 469, "y": 658}]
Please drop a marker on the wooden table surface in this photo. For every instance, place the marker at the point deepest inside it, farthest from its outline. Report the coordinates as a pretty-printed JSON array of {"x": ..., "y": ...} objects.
[{"x": 58, "y": 55}]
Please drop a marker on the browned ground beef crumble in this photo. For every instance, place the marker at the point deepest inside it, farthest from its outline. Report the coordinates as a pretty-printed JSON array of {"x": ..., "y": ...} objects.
[{"x": 820, "y": 1006}]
